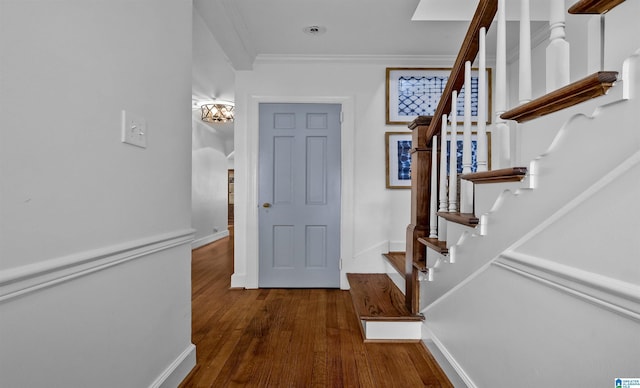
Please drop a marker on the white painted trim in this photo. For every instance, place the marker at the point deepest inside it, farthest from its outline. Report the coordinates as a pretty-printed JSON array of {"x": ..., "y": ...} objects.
[
  {"x": 612, "y": 294},
  {"x": 386, "y": 330},
  {"x": 209, "y": 239},
  {"x": 178, "y": 370},
  {"x": 429, "y": 336},
  {"x": 397, "y": 246},
  {"x": 367, "y": 59},
  {"x": 238, "y": 280},
  {"x": 250, "y": 229},
  {"x": 32, "y": 277},
  {"x": 444, "y": 364}
]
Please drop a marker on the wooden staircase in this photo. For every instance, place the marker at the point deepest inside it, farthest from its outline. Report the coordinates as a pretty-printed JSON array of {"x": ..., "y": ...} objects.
[
  {"x": 388, "y": 314},
  {"x": 381, "y": 309}
]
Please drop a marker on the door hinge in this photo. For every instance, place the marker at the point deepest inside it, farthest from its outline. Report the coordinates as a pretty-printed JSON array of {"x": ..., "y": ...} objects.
[
  {"x": 340, "y": 264},
  {"x": 341, "y": 116}
]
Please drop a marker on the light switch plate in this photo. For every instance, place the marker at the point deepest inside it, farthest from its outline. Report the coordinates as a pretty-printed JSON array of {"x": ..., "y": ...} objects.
[{"x": 134, "y": 129}]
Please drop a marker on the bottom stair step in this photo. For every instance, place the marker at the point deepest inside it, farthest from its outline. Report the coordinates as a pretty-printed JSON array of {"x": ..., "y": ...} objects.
[{"x": 381, "y": 308}]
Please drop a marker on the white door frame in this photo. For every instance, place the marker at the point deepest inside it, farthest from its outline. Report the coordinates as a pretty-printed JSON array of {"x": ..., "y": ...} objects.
[{"x": 246, "y": 250}]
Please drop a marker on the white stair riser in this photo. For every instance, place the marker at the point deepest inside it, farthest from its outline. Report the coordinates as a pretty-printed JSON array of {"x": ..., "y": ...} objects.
[{"x": 384, "y": 330}]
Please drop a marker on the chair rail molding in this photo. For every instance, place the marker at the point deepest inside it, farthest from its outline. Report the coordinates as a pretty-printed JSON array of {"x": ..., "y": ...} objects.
[{"x": 18, "y": 281}]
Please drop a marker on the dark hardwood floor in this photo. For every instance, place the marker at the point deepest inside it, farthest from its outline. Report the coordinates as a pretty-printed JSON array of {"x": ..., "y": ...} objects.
[{"x": 289, "y": 337}]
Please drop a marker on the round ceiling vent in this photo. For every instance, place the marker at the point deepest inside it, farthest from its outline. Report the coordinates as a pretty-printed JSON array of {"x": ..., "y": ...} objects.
[{"x": 315, "y": 30}]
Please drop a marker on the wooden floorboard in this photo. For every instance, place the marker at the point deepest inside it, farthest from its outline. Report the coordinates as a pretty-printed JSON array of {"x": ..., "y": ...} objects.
[{"x": 289, "y": 337}]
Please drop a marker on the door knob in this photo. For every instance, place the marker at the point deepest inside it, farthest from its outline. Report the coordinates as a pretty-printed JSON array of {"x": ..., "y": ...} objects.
[{"x": 266, "y": 204}]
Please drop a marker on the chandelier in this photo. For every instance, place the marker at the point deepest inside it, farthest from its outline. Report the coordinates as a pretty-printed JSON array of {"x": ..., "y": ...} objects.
[{"x": 217, "y": 112}]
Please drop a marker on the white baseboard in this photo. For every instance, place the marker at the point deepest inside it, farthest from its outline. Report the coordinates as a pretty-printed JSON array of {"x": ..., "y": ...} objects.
[
  {"x": 209, "y": 239},
  {"x": 397, "y": 246},
  {"x": 445, "y": 365},
  {"x": 178, "y": 370},
  {"x": 238, "y": 280},
  {"x": 456, "y": 375}
]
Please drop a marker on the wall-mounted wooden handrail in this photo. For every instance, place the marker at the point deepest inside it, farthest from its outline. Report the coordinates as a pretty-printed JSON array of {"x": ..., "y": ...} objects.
[
  {"x": 591, "y": 7},
  {"x": 485, "y": 12}
]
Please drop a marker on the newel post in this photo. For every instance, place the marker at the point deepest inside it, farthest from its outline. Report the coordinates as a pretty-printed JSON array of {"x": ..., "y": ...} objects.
[{"x": 420, "y": 207}]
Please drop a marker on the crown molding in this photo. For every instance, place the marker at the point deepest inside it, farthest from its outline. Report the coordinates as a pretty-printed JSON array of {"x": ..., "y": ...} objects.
[{"x": 424, "y": 60}]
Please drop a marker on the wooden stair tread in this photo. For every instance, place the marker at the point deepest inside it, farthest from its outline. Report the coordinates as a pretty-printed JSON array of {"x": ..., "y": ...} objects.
[
  {"x": 397, "y": 260},
  {"x": 421, "y": 266},
  {"x": 511, "y": 174},
  {"x": 376, "y": 298},
  {"x": 467, "y": 219},
  {"x": 591, "y": 7},
  {"x": 435, "y": 244},
  {"x": 592, "y": 86}
]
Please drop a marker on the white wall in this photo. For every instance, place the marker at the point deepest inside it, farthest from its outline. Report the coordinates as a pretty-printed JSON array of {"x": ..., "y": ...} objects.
[
  {"x": 94, "y": 233},
  {"x": 212, "y": 78},
  {"x": 209, "y": 192},
  {"x": 373, "y": 217}
]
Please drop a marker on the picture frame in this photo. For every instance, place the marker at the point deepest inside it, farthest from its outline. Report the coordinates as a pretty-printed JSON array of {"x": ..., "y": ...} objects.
[
  {"x": 398, "y": 160},
  {"x": 398, "y": 157},
  {"x": 474, "y": 144},
  {"x": 411, "y": 92}
]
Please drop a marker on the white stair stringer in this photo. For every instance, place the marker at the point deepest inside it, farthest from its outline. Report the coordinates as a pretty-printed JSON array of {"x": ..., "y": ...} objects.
[
  {"x": 584, "y": 150},
  {"x": 564, "y": 299},
  {"x": 557, "y": 303}
]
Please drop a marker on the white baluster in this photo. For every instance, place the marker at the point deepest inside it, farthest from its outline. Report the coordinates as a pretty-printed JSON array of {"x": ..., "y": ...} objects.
[
  {"x": 501, "y": 128},
  {"x": 525, "y": 53},
  {"x": 482, "y": 150},
  {"x": 558, "y": 51},
  {"x": 433, "y": 218},
  {"x": 466, "y": 187},
  {"x": 453, "y": 155},
  {"x": 501, "y": 61},
  {"x": 442, "y": 224},
  {"x": 466, "y": 134}
]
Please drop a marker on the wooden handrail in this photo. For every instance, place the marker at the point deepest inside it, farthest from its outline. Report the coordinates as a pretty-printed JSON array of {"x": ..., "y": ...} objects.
[
  {"x": 591, "y": 7},
  {"x": 424, "y": 128},
  {"x": 485, "y": 12},
  {"x": 589, "y": 87}
]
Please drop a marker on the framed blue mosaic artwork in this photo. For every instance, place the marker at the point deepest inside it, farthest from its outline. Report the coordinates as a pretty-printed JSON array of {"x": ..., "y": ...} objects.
[
  {"x": 398, "y": 157},
  {"x": 413, "y": 92}
]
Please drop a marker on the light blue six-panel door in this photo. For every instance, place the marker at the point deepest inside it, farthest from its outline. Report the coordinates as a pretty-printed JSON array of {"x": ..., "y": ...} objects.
[{"x": 299, "y": 195}]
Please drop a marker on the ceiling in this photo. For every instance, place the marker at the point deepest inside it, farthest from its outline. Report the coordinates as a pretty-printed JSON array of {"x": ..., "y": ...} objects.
[{"x": 250, "y": 29}]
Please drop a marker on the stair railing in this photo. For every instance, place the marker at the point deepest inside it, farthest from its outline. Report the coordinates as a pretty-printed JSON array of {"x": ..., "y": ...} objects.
[
  {"x": 423, "y": 145},
  {"x": 429, "y": 172}
]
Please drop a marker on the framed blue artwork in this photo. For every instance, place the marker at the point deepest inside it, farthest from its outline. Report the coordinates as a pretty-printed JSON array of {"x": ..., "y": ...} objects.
[
  {"x": 398, "y": 157},
  {"x": 413, "y": 92}
]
